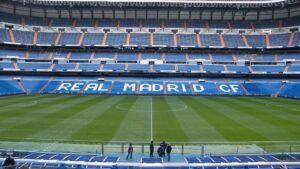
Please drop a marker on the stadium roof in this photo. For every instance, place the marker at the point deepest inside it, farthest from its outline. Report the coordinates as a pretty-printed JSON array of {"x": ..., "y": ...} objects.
[
  {"x": 204, "y": 2},
  {"x": 172, "y": 1},
  {"x": 164, "y": 3}
]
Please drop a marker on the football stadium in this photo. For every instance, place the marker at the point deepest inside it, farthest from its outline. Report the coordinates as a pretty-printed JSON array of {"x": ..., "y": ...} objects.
[{"x": 173, "y": 84}]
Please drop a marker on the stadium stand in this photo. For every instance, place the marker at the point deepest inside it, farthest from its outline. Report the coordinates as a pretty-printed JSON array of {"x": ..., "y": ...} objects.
[
  {"x": 164, "y": 40},
  {"x": 6, "y": 65},
  {"x": 237, "y": 68},
  {"x": 290, "y": 90},
  {"x": 106, "y": 55},
  {"x": 23, "y": 37},
  {"x": 222, "y": 57},
  {"x": 257, "y": 41},
  {"x": 127, "y": 57},
  {"x": 138, "y": 67},
  {"x": 164, "y": 86},
  {"x": 157, "y": 56},
  {"x": 233, "y": 41},
  {"x": 281, "y": 40},
  {"x": 186, "y": 40},
  {"x": 140, "y": 39},
  {"x": 34, "y": 86},
  {"x": 210, "y": 40},
  {"x": 80, "y": 56},
  {"x": 46, "y": 38},
  {"x": 151, "y": 48},
  {"x": 89, "y": 67},
  {"x": 175, "y": 57},
  {"x": 213, "y": 68},
  {"x": 115, "y": 39},
  {"x": 69, "y": 39},
  {"x": 114, "y": 67},
  {"x": 91, "y": 39},
  {"x": 266, "y": 89},
  {"x": 189, "y": 68},
  {"x": 8, "y": 87},
  {"x": 42, "y": 55},
  {"x": 163, "y": 68},
  {"x": 272, "y": 69},
  {"x": 4, "y": 35},
  {"x": 64, "y": 67},
  {"x": 34, "y": 66},
  {"x": 294, "y": 68}
]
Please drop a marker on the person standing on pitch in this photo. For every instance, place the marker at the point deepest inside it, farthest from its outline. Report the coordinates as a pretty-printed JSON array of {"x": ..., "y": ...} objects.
[
  {"x": 169, "y": 149},
  {"x": 164, "y": 146},
  {"x": 9, "y": 163},
  {"x": 151, "y": 149},
  {"x": 130, "y": 151},
  {"x": 160, "y": 152}
]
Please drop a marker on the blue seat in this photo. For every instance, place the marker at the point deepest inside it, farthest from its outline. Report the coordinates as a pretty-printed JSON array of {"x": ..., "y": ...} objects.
[
  {"x": 59, "y": 157},
  {"x": 163, "y": 39},
  {"x": 116, "y": 39},
  {"x": 192, "y": 160},
  {"x": 46, "y": 156},
  {"x": 33, "y": 155},
  {"x": 151, "y": 160},
  {"x": 206, "y": 160},
  {"x": 98, "y": 159},
  {"x": 111, "y": 159},
  {"x": 85, "y": 158},
  {"x": 71, "y": 158},
  {"x": 186, "y": 40},
  {"x": 69, "y": 39}
]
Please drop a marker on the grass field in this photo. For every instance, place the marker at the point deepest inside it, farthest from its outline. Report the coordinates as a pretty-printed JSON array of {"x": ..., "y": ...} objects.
[{"x": 95, "y": 119}]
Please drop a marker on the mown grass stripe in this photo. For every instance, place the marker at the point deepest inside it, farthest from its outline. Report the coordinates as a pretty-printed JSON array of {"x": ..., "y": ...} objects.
[
  {"x": 195, "y": 126},
  {"x": 104, "y": 126},
  {"x": 165, "y": 124},
  {"x": 135, "y": 126},
  {"x": 40, "y": 123},
  {"x": 61, "y": 131},
  {"x": 285, "y": 100},
  {"x": 278, "y": 107},
  {"x": 217, "y": 114},
  {"x": 19, "y": 112},
  {"x": 275, "y": 116},
  {"x": 20, "y": 101}
]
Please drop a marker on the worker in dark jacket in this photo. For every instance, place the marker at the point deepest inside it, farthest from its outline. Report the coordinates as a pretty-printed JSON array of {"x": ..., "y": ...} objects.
[
  {"x": 160, "y": 151},
  {"x": 9, "y": 163},
  {"x": 164, "y": 146},
  {"x": 130, "y": 151},
  {"x": 169, "y": 150},
  {"x": 151, "y": 149}
]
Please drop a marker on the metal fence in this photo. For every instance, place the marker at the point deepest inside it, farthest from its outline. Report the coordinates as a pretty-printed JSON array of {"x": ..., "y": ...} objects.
[
  {"x": 203, "y": 149},
  {"x": 143, "y": 148}
]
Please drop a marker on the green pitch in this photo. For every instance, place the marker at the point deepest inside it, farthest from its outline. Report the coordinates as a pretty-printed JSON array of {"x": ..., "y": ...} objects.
[{"x": 95, "y": 119}]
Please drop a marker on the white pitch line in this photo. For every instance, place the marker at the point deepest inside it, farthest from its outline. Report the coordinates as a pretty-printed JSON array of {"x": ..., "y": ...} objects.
[{"x": 151, "y": 121}]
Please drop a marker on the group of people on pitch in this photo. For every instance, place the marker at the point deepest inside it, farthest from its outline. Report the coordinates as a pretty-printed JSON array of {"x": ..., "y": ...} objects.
[{"x": 162, "y": 150}]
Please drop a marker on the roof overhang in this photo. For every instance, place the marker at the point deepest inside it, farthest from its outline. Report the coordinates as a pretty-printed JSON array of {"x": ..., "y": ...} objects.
[{"x": 165, "y": 3}]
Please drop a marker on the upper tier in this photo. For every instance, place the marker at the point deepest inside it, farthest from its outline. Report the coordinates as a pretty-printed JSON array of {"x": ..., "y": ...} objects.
[
  {"x": 149, "y": 23},
  {"x": 146, "y": 39}
]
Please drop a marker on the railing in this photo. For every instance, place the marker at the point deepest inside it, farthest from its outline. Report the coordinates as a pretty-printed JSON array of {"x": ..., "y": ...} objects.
[
  {"x": 204, "y": 149},
  {"x": 143, "y": 148}
]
